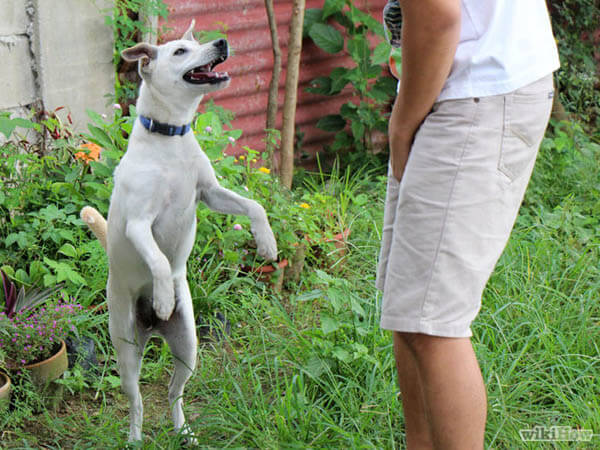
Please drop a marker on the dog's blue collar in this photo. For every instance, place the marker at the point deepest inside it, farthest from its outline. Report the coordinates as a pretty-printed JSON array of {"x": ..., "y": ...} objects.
[{"x": 164, "y": 128}]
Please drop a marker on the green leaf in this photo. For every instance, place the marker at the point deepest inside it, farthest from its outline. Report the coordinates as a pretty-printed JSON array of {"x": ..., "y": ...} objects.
[
  {"x": 49, "y": 280},
  {"x": 349, "y": 111},
  {"x": 7, "y": 126},
  {"x": 357, "y": 307},
  {"x": 320, "y": 85},
  {"x": 311, "y": 16},
  {"x": 339, "y": 79},
  {"x": 315, "y": 366},
  {"x": 359, "y": 50},
  {"x": 327, "y": 38},
  {"x": 342, "y": 354},
  {"x": 329, "y": 324},
  {"x": 358, "y": 129},
  {"x": 331, "y": 122},
  {"x": 20, "y": 238},
  {"x": 100, "y": 137},
  {"x": 68, "y": 250},
  {"x": 332, "y": 6},
  {"x": 25, "y": 123},
  {"x": 381, "y": 54},
  {"x": 310, "y": 295}
]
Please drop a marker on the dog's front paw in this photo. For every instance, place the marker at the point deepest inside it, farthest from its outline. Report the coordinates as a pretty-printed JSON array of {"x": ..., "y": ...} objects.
[
  {"x": 164, "y": 299},
  {"x": 266, "y": 244}
]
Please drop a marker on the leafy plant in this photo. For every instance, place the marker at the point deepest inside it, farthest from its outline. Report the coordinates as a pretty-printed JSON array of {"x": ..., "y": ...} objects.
[
  {"x": 32, "y": 335},
  {"x": 338, "y": 340},
  {"x": 8, "y": 124},
  {"x": 359, "y": 121},
  {"x": 576, "y": 24},
  {"x": 126, "y": 18},
  {"x": 28, "y": 331},
  {"x": 16, "y": 301}
]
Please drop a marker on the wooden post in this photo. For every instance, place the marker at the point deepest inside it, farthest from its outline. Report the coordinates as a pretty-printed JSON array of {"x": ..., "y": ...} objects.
[
  {"x": 272, "y": 104},
  {"x": 291, "y": 93}
]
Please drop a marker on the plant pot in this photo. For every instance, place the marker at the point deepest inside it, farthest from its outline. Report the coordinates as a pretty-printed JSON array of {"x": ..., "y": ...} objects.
[
  {"x": 43, "y": 374},
  {"x": 5, "y": 388},
  {"x": 50, "y": 369},
  {"x": 269, "y": 274},
  {"x": 340, "y": 241},
  {"x": 331, "y": 259}
]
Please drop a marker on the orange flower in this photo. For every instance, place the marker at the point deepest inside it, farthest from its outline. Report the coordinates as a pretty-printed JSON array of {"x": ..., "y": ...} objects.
[{"x": 91, "y": 152}]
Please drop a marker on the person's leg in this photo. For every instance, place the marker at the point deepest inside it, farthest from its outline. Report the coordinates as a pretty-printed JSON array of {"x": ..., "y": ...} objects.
[
  {"x": 453, "y": 393},
  {"x": 417, "y": 428}
]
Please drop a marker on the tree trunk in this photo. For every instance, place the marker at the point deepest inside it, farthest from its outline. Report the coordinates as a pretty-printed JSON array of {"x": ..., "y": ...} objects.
[
  {"x": 291, "y": 93},
  {"x": 274, "y": 85}
]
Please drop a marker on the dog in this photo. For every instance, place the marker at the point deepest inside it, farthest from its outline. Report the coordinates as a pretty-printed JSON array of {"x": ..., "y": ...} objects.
[{"x": 151, "y": 223}]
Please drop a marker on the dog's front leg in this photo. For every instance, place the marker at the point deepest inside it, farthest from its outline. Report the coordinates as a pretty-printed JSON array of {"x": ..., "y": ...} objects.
[
  {"x": 225, "y": 201},
  {"x": 139, "y": 232}
]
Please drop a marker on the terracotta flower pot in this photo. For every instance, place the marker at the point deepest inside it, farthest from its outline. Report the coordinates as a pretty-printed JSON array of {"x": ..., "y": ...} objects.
[
  {"x": 5, "y": 388},
  {"x": 50, "y": 369},
  {"x": 340, "y": 241},
  {"x": 269, "y": 274},
  {"x": 43, "y": 374}
]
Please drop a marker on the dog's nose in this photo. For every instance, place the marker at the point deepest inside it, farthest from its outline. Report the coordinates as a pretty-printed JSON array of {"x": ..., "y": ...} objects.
[{"x": 221, "y": 44}]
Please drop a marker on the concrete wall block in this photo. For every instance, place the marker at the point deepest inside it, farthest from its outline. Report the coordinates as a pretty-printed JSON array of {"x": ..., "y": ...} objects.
[
  {"x": 16, "y": 75},
  {"x": 74, "y": 49},
  {"x": 13, "y": 17}
]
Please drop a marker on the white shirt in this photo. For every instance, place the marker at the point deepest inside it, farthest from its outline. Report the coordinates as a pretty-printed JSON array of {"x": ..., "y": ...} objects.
[{"x": 504, "y": 45}]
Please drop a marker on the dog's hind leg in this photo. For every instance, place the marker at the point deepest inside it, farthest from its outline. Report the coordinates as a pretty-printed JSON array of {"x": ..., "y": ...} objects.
[
  {"x": 129, "y": 340},
  {"x": 180, "y": 334}
]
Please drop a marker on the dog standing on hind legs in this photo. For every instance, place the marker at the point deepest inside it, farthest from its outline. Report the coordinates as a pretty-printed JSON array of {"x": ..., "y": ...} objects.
[{"x": 151, "y": 223}]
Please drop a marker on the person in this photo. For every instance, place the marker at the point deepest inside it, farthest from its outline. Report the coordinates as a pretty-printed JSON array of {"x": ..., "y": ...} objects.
[{"x": 474, "y": 101}]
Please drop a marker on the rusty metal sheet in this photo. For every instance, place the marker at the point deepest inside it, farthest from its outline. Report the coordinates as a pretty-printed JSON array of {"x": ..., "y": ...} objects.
[{"x": 245, "y": 23}]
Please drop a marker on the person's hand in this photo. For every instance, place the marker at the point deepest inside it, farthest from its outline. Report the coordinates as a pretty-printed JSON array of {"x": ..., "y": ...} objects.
[
  {"x": 399, "y": 151},
  {"x": 401, "y": 138}
]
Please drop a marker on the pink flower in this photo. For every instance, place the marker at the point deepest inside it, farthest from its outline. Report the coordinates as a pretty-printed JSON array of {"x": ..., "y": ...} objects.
[{"x": 237, "y": 227}]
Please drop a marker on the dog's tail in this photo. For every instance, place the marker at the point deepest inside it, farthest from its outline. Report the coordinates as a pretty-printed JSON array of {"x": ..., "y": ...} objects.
[{"x": 95, "y": 222}]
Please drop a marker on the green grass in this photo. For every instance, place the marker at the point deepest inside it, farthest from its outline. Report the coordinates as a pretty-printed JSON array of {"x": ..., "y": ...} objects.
[{"x": 287, "y": 379}]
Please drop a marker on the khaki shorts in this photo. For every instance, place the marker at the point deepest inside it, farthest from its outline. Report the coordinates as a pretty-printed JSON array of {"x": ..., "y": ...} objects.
[{"x": 448, "y": 221}]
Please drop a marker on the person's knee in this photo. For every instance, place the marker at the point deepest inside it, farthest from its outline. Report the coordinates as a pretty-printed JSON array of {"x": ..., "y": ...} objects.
[
  {"x": 420, "y": 344},
  {"x": 417, "y": 343}
]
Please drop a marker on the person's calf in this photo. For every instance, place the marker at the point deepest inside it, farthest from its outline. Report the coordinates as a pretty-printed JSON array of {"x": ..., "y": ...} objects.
[
  {"x": 453, "y": 389},
  {"x": 417, "y": 430}
]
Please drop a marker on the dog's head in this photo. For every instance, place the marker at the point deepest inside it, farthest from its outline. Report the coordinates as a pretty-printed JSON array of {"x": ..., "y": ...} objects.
[{"x": 183, "y": 65}]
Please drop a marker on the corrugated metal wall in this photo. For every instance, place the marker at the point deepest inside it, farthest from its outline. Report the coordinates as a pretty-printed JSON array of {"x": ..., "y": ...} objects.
[{"x": 251, "y": 64}]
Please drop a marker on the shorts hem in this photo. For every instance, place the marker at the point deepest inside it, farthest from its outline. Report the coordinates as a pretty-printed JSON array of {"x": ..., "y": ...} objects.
[{"x": 426, "y": 327}]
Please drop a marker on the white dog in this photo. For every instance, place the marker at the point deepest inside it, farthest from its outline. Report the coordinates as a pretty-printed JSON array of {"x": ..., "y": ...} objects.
[{"x": 152, "y": 217}]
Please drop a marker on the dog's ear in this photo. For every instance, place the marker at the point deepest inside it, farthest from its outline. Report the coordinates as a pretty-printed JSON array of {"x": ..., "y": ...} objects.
[
  {"x": 141, "y": 52},
  {"x": 189, "y": 34}
]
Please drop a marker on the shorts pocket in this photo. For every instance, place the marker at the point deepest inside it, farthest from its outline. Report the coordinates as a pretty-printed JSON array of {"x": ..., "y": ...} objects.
[{"x": 525, "y": 121}]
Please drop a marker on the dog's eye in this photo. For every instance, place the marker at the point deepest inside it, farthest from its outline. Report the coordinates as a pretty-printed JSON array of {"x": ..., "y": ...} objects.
[{"x": 180, "y": 51}]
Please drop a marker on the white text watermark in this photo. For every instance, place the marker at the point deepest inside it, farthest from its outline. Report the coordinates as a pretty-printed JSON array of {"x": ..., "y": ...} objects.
[{"x": 556, "y": 433}]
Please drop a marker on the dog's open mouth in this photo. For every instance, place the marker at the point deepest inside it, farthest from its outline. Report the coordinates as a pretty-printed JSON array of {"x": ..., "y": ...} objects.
[{"x": 205, "y": 74}]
